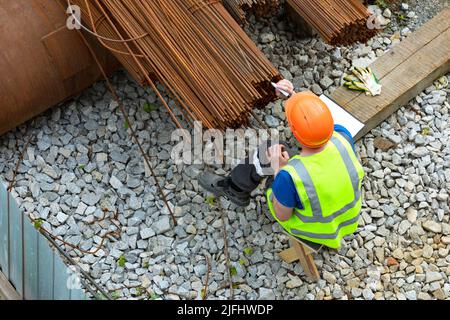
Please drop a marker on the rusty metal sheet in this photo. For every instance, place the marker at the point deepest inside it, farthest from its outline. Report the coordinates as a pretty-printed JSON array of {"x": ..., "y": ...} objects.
[{"x": 42, "y": 62}]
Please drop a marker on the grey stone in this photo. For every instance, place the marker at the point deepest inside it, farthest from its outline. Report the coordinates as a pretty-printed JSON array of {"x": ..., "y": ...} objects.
[
  {"x": 200, "y": 270},
  {"x": 147, "y": 233},
  {"x": 338, "y": 293},
  {"x": 267, "y": 37},
  {"x": 420, "y": 152},
  {"x": 272, "y": 121},
  {"x": 326, "y": 82},
  {"x": 62, "y": 217},
  {"x": 429, "y": 110},
  {"x": 432, "y": 276},
  {"x": 294, "y": 282},
  {"x": 373, "y": 204},
  {"x": 411, "y": 295},
  {"x": 302, "y": 60},
  {"x": 43, "y": 144},
  {"x": 356, "y": 292},
  {"x": 329, "y": 277},
  {"x": 115, "y": 183},
  {"x": 432, "y": 226},
  {"x": 135, "y": 203},
  {"x": 266, "y": 294},
  {"x": 90, "y": 198},
  {"x": 316, "y": 89},
  {"x": 67, "y": 177},
  {"x": 368, "y": 294},
  {"x": 91, "y": 125},
  {"x": 119, "y": 156},
  {"x": 405, "y": 31},
  {"x": 404, "y": 226},
  {"x": 337, "y": 55},
  {"x": 162, "y": 225}
]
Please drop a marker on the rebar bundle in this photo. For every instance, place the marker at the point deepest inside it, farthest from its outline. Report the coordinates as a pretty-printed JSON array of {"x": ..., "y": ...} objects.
[
  {"x": 261, "y": 8},
  {"x": 194, "y": 48},
  {"x": 339, "y": 22}
]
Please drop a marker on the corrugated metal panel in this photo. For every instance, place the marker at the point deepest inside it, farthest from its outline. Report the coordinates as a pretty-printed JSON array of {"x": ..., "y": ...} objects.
[
  {"x": 31, "y": 264},
  {"x": 4, "y": 223},
  {"x": 46, "y": 270},
  {"x": 60, "y": 285},
  {"x": 78, "y": 295},
  {"x": 31, "y": 268},
  {"x": 16, "y": 245}
]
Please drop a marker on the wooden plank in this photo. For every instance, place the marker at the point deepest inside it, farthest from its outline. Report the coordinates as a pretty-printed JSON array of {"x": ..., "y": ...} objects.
[
  {"x": 45, "y": 267},
  {"x": 306, "y": 261},
  {"x": 7, "y": 290},
  {"x": 406, "y": 75},
  {"x": 61, "y": 275},
  {"x": 404, "y": 78},
  {"x": 399, "y": 53},
  {"x": 31, "y": 270},
  {"x": 4, "y": 238},
  {"x": 407, "y": 81},
  {"x": 288, "y": 255},
  {"x": 16, "y": 245}
]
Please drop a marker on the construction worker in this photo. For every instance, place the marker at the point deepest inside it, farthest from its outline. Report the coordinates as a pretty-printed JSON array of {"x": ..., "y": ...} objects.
[{"x": 315, "y": 194}]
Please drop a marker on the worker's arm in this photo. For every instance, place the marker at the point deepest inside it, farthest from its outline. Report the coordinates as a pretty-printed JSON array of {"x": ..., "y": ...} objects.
[
  {"x": 283, "y": 213},
  {"x": 278, "y": 159},
  {"x": 286, "y": 86}
]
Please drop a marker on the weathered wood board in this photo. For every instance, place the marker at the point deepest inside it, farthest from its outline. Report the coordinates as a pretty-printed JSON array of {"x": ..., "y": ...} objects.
[{"x": 405, "y": 71}]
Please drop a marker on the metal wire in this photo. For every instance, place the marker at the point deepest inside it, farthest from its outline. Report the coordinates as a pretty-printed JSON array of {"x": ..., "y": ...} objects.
[
  {"x": 240, "y": 8},
  {"x": 339, "y": 22},
  {"x": 195, "y": 49}
]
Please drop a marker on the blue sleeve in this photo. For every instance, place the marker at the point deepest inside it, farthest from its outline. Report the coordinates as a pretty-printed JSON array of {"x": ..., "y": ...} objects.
[
  {"x": 284, "y": 190},
  {"x": 347, "y": 135}
]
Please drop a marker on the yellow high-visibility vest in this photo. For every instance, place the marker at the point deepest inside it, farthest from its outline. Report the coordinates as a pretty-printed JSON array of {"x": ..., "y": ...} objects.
[{"x": 329, "y": 186}]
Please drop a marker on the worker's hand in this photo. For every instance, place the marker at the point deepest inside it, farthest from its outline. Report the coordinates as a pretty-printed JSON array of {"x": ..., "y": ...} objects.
[
  {"x": 286, "y": 86},
  {"x": 278, "y": 157}
]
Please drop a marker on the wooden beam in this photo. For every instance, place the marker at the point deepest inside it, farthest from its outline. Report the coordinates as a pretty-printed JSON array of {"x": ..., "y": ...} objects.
[
  {"x": 290, "y": 255},
  {"x": 399, "y": 53},
  {"x": 306, "y": 261},
  {"x": 404, "y": 72},
  {"x": 7, "y": 291}
]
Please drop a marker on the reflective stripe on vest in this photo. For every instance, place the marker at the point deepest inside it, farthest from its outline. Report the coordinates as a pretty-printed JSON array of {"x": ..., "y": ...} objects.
[
  {"x": 325, "y": 235},
  {"x": 311, "y": 189}
]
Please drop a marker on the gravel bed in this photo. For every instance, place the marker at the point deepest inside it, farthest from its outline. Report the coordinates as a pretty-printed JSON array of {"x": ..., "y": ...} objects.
[{"x": 82, "y": 163}]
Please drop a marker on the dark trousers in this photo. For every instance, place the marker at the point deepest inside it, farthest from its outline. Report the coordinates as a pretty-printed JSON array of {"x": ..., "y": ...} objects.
[{"x": 245, "y": 176}]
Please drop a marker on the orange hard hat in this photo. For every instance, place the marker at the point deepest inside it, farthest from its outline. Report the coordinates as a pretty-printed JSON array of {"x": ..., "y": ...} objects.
[{"x": 310, "y": 119}]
